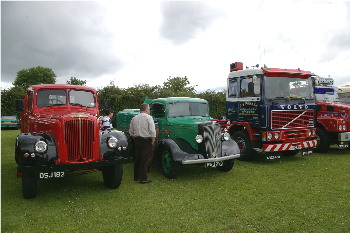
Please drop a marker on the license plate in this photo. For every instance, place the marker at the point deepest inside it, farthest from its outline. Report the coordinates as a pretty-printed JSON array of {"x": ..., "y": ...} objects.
[
  {"x": 343, "y": 146},
  {"x": 214, "y": 164},
  {"x": 306, "y": 152},
  {"x": 48, "y": 175}
]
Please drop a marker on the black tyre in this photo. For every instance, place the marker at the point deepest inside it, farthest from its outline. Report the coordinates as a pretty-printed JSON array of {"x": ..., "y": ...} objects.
[
  {"x": 112, "y": 176},
  {"x": 29, "y": 185},
  {"x": 227, "y": 166},
  {"x": 169, "y": 166},
  {"x": 323, "y": 141},
  {"x": 290, "y": 152},
  {"x": 245, "y": 145}
]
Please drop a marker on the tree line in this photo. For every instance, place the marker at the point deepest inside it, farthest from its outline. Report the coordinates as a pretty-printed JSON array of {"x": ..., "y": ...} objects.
[{"x": 116, "y": 97}]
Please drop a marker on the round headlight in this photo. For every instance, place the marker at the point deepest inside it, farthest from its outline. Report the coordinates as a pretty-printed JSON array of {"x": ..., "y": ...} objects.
[
  {"x": 344, "y": 127},
  {"x": 112, "y": 142},
  {"x": 40, "y": 147},
  {"x": 269, "y": 136},
  {"x": 277, "y": 135},
  {"x": 340, "y": 127},
  {"x": 226, "y": 136},
  {"x": 199, "y": 138},
  {"x": 309, "y": 133}
]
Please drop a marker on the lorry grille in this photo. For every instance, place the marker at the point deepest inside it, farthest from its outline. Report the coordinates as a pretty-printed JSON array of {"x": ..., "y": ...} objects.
[
  {"x": 79, "y": 137},
  {"x": 212, "y": 140},
  {"x": 282, "y": 119}
]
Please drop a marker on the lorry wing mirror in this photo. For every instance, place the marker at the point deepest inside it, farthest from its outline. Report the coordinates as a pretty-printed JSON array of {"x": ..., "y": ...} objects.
[{"x": 19, "y": 105}]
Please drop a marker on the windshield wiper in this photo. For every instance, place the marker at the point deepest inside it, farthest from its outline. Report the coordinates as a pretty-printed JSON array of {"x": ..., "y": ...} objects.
[{"x": 76, "y": 104}]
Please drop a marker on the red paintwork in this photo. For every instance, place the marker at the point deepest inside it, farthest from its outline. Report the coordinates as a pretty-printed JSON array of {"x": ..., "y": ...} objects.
[
  {"x": 52, "y": 120},
  {"x": 331, "y": 119}
]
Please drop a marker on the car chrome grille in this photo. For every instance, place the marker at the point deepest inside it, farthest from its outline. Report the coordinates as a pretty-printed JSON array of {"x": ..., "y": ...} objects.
[{"x": 212, "y": 140}]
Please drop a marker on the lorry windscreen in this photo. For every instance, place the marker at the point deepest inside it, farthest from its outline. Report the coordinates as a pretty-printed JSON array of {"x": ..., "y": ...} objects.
[
  {"x": 288, "y": 88},
  {"x": 81, "y": 98},
  {"x": 51, "y": 97},
  {"x": 180, "y": 109}
]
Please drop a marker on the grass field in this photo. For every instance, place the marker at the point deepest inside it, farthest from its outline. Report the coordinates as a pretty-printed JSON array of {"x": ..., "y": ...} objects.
[{"x": 294, "y": 194}]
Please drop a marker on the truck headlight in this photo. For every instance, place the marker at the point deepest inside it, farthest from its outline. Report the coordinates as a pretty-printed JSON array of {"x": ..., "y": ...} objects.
[
  {"x": 199, "y": 138},
  {"x": 40, "y": 147},
  {"x": 112, "y": 142},
  {"x": 277, "y": 135},
  {"x": 309, "y": 133},
  {"x": 226, "y": 136},
  {"x": 340, "y": 127},
  {"x": 269, "y": 136},
  {"x": 344, "y": 127}
]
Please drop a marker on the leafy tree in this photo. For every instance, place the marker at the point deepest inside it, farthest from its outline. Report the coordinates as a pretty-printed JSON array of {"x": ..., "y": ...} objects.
[
  {"x": 217, "y": 102},
  {"x": 8, "y": 100},
  {"x": 34, "y": 75},
  {"x": 76, "y": 81},
  {"x": 177, "y": 86}
]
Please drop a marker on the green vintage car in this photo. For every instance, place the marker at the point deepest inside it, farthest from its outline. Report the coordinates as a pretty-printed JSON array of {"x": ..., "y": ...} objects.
[
  {"x": 10, "y": 122},
  {"x": 186, "y": 135}
]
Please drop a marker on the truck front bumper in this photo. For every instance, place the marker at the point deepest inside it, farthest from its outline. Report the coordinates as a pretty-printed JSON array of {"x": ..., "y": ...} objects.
[
  {"x": 210, "y": 160},
  {"x": 289, "y": 146}
]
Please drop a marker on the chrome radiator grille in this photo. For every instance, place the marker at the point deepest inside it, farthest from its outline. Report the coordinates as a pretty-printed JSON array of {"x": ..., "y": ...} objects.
[
  {"x": 212, "y": 140},
  {"x": 79, "y": 138}
]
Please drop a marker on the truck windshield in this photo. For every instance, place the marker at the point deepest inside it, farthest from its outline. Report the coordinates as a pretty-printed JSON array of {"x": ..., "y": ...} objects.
[
  {"x": 288, "y": 88},
  {"x": 179, "y": 109},
  {"x": 51, "y": 97},
  {"x": 326, "y": 94},
  {"x": 81, "y": 98}
]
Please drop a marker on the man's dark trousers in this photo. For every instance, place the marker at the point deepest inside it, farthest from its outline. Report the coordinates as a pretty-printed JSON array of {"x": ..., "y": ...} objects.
[{"x": 143, "y": 152}]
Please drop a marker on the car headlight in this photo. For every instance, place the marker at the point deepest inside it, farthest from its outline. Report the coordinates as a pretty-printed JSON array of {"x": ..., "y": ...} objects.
[
  {"x": 199, "y": 138},
  {"x": 226, "y": 136},
  {"x": 40, "y": 147},
  {"x": 112, "y": 142},
  {"x": 269, "y": 136}
]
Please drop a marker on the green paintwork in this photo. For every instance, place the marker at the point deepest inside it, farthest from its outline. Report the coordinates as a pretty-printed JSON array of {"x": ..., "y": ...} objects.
[{"x": 181, "y": 128}]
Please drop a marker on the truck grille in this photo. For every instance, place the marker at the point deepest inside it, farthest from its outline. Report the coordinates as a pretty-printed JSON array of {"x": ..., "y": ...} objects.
[
  {"x": 212, "y": 140},
  {"x": 79, "y": 138},
  {"x": 282, "y": 119}
]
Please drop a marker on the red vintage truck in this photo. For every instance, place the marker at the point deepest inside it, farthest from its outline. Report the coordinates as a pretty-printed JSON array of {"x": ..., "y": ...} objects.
[
  {"x": 333, "y": 116},
  {"x": 60, "y": 133},
  {"x": 270, "y": 110}
]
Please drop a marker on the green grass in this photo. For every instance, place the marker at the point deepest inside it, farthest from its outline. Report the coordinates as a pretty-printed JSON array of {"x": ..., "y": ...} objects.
[{"x": 294, "y": 194}]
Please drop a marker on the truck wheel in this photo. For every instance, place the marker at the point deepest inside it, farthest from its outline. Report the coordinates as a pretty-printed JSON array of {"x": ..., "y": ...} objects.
[
  {"x": 323, "y": 141},
  {"x": 227, "y": 166},
  {"x": 169, "y": 166},
  {"x": 29, "y": 185},
  {"x": 290, "y": 152},
  {"x": 244, "y": 144},
  {"x": 112, "y": 176}
]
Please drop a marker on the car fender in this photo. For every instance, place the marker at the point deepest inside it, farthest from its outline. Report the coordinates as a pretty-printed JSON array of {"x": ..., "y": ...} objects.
[{"x": 113, "y": 153}]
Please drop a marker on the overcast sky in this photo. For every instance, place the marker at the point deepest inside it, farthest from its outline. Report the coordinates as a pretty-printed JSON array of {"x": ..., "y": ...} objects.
[{"x": 145, "y": 42}]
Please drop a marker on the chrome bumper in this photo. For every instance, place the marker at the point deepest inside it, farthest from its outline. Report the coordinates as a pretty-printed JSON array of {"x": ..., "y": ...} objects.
[{"x": 235, "y": 156}]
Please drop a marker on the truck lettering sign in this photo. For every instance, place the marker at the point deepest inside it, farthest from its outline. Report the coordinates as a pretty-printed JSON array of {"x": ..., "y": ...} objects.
[{"x": 294, "y": 106}]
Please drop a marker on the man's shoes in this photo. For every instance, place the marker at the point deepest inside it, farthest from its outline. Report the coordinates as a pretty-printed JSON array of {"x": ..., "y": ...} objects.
[
  {"x": 136, "y": 178},
  {"x": 145, "y": 181}
]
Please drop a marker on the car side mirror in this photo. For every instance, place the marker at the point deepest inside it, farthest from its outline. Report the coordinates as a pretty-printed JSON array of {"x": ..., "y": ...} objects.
[{"x": 19, "y": 105}]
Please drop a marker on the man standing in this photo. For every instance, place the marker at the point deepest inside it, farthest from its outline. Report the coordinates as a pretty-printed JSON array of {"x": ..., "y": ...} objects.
[{"x": 142, "y": 130}]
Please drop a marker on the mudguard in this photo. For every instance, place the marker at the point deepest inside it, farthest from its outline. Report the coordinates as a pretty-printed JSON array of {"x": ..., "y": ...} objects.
[
  {"x": 24, "y": 149},
  {"x": 230, "y": 147},
  {"x": 177, "y": 153},
  {"x": 121, "y": 152}
]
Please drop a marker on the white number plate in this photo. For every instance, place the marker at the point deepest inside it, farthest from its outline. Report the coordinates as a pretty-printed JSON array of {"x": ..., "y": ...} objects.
[
  {"x": 47, "y": 175},
  {"x": 306, "y": 152},
  {"x": 214, "y": 164}
]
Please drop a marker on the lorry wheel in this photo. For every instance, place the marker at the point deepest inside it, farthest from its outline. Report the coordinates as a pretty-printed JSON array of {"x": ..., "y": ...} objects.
[
  {"x": 169, "y": 166},
  {"x": 323, "y": 141},
  {"x": 227, "y": 166},
  {"x": 290, "y": 152},
  {"x": 29, "y": 185},
  {"x": 244, "y": 144},
  {"x": 112, "y": 176}
]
